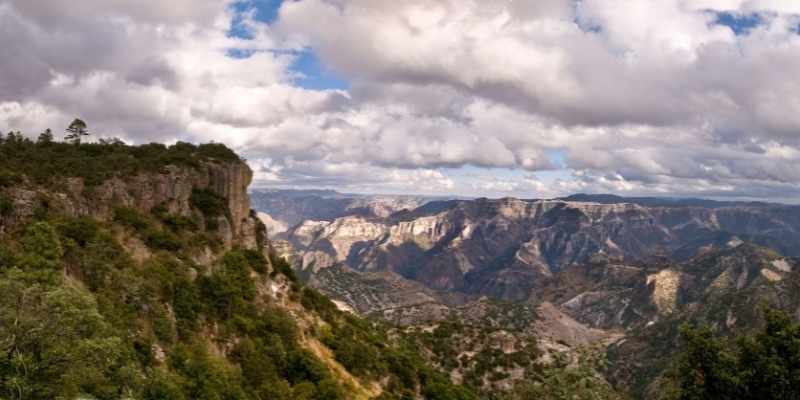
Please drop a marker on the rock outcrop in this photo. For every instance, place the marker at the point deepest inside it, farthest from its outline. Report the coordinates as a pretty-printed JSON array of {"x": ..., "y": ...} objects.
[
  {"x": 505, "y": 248},
  {"x": 170, "y": 190}
]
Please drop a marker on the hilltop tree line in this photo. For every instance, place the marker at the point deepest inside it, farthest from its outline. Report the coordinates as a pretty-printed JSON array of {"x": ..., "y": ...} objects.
[{"x": 47, "y": 161}]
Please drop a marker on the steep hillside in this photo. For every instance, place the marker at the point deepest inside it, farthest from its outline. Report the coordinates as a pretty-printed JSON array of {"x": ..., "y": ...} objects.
[
  {"x": 596, "y": 271},
  {"x": 649, "y": 302},
  {"x": 141, "y": 272}
]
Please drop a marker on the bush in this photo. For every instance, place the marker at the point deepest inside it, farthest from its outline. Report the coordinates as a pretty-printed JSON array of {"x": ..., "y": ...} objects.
[
  {"x": 441, "y": 389},
  {"x": 209, "y": 203},
  {"x": 230, "y": 289},
  {"x": 8, "y": 178},
  {"x": 256, "y": 260},
  {"x": 303, "y": 366},
  {"x": 162, "y": 240},
  {"x": 217, "y": 151},
  {"x": 6, "y": 206},
  {"x": 281, "y": 266},
  {"x": 131, "y": 218},
  {"x": 206, "y": 377},
  {"x": 80, "y": 230},
  {"x": 41, "y": 247},
  {"x": 313, "y": 300},
  {"x": 763, "y": 365}
]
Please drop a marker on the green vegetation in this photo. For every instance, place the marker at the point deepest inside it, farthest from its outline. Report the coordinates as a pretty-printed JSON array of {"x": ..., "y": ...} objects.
[
  {"x": 762, "y": 365},
  {"x": 211, "y": 205},
  {"x": 85, "y": 314},
  {"x": 569, "y": 378},
  {"x": 281, "y": 266},
  {"x": 365, "y": 349},
  {"x": 44, "y": 161},
  {"x": 75, "y": 131},
  {"x": 6, "y": 206},
  {"x": 79, "y": 318},
  {"x": 95, "y": 332}
]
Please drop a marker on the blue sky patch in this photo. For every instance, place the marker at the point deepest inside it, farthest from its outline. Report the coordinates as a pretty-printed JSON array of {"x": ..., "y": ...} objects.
[
  {"x": 315, "y": 75},
  {"x": 312, "y": 73},
  {"x": 740, "y": 24},
  {"x": 264, "y": 11}
]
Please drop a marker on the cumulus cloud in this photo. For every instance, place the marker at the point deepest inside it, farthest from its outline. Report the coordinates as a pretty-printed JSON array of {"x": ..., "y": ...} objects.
[{"x": 635, "y": 97}]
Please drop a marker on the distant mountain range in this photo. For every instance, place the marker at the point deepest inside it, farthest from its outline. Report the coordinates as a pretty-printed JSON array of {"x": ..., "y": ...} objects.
[
  {"x": 285, "y": 208},
  {"x": 505, "y": 248},
  {"x": 623, "y": 271}
]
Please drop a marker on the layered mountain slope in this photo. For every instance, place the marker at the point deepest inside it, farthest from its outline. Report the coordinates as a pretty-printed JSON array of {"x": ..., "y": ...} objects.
[
  {"x": 283, "y": 209},
  {"x": 647, "y": 302},
  {"x": 621, "y": 275},
  {"x": 506, "y": 248},
  {"x": 140, "y": 272}
]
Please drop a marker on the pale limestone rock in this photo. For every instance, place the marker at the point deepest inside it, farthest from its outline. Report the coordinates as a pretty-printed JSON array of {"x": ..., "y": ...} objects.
[
  {"x": 308, "y": 231},
  {"x": 771, "y": 276},
  {"x": 665, "y": 290},
  {"x": 274, "y": 226},
  {"x": 782, "y": 265}
]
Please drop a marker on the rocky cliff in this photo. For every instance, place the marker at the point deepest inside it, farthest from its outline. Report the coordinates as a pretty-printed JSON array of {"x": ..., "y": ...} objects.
[
  {"x": 141, "y": 272},
  {"x": 169, "y": 190},
  {"x": 507, "y": 248},
  {"x": 287, "y": 208},
  {"x": 594, "y": 271}
]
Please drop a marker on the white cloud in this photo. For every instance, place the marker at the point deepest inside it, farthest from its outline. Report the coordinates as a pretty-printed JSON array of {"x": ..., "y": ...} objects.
[{"x": 640, "y": 97}]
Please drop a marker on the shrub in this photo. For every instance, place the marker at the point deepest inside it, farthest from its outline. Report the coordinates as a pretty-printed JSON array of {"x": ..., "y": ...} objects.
[
  {"x": 131, "y": 218},
  {"x": 41, "y": 247},
  {"x": 162, "y": 240},
  {"x": 303, "y": 366},
  {"x": 256, "y": 260},
  {"x": 6, "y": 206},
  {"x": 81, "y": 230},
  {"x": 217, "y": 151},
  {"x": 8, "y": 178},
  {"x": 209, "y": 203},
  {"x": 313, "y": 300},
  {"x": 230, "y": 289},
  {"x": 281, "y": 266}
]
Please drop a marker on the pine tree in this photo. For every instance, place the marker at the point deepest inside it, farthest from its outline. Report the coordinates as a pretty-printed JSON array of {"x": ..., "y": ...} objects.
[
  {"x": 45, "y": 137},
  {"x": 76, "y": 130}
]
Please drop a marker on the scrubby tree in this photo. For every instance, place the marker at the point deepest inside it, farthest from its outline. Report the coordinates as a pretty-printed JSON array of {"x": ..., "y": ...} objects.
[
  {"x": 76, "y": 130},
  {"x": 53, "y": 341},
  {"x": 570, "y": 378},
  {"x": 45, "y": 137},
  {"x": 42, "y": 247},
  {"x": 764, "y": 365}
]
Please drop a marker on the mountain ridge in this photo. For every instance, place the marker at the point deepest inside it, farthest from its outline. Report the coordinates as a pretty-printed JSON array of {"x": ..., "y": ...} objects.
[{"x": 154, "y": 279}]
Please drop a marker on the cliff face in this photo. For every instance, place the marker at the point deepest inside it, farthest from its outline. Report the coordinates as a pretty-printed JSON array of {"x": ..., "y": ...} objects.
[
  {"x": 170, "y": 190},
  {"x": 288, "y": 208},
  {"x": 507, "y": 248}
]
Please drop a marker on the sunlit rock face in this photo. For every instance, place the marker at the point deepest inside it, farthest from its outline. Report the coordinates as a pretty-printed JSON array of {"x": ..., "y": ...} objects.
[{"x": 505, "y": 248}]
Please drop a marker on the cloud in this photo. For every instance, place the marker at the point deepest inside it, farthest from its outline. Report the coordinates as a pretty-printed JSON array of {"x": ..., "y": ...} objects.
[{"x": 639, "y": 97}]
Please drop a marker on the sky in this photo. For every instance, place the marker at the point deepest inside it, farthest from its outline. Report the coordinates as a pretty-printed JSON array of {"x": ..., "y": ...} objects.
[{"x": 522, "y": 98}]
